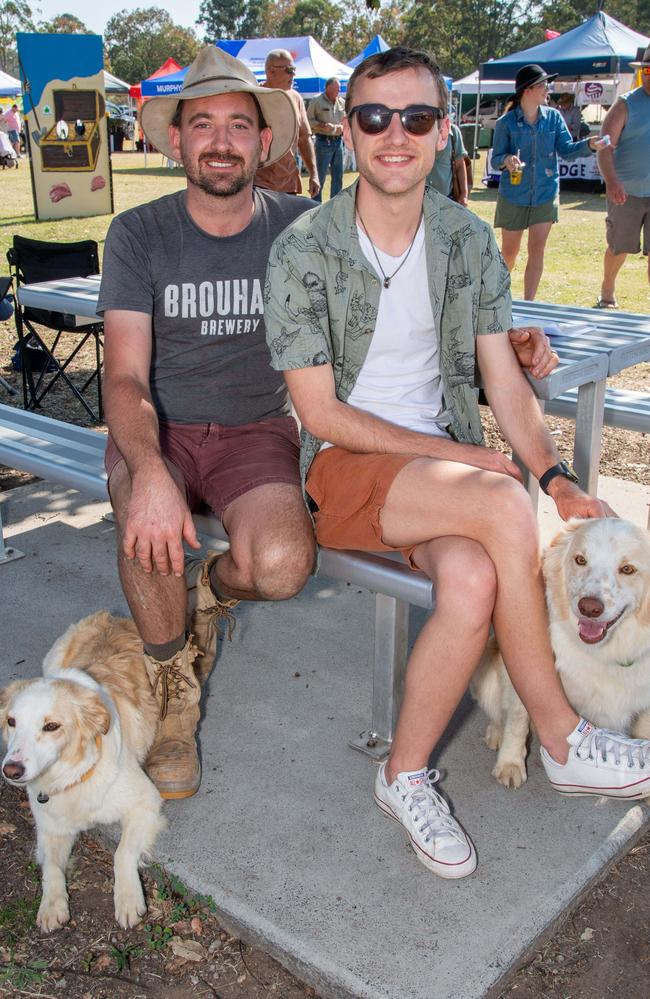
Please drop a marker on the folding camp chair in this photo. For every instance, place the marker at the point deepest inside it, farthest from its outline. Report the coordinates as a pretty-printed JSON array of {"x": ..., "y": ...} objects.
[{"x": 45, "y": 363}]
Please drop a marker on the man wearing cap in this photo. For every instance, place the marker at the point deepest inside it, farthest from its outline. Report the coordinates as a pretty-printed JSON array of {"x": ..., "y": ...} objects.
[
  {"x": 194, "y": 411},
  {"x": 284, "y": 175},
  {"x": 378, "y": 305},
  {"x": 326, "y": 114},
  {"x": 625, "y": 166}
]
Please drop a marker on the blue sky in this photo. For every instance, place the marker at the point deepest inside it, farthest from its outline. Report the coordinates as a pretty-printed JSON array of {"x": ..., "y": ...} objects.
[{"x": 96, "y": 14}]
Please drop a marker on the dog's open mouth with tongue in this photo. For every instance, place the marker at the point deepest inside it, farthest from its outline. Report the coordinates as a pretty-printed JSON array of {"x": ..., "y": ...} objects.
[{"x": 591, "y": 631}]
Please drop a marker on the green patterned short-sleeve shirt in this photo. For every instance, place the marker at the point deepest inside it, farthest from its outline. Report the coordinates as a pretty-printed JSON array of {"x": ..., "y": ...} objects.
[{"x": 321, "y": 299}]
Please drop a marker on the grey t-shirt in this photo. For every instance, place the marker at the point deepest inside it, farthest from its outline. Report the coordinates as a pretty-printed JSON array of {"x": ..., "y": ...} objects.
[{"x": 210, "y": 362}]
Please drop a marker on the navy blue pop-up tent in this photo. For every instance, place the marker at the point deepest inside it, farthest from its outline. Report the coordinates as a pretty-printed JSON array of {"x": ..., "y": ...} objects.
[
  {"x": 601, "y": 46},
  {"x": 376, "y": 44}
]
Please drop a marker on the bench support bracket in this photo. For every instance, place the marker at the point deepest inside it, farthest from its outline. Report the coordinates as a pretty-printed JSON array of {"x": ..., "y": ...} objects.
[
  {"x": 7, "y": 553},
  {"x": 391, "y": 653}
]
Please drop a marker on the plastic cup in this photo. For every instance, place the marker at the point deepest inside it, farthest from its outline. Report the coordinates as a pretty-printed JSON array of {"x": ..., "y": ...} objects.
[{"x": 516, "y": 175}]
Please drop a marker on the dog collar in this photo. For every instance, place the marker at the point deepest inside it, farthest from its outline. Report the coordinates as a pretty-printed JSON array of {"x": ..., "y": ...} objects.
[{"x": 43, "y": 798}]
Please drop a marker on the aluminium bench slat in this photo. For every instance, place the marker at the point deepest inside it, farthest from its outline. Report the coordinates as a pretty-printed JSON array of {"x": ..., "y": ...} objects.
[
  {"x": 625, "y": 409},
  {"x": 74, "y": 457}
]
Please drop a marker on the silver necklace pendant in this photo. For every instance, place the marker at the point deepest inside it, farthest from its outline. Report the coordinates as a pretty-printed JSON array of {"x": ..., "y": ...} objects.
[{"x": 42, "y": 798}]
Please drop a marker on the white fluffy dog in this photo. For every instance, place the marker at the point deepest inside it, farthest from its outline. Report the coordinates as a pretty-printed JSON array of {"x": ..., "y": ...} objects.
[
  {"x": 76, "y": 739},
  {"x": 597, "y": 575}
]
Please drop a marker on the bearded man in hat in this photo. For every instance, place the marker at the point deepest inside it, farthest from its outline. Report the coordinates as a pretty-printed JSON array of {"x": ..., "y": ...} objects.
[
  {"x": 195, "y": 413},
  {"x": 625, "y": 166}
]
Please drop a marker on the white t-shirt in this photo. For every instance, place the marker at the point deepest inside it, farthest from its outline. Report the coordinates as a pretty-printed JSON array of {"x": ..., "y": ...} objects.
[{"x": 400, "y": 378}]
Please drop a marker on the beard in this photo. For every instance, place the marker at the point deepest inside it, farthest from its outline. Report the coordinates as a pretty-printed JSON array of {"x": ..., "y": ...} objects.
[{"x": 215, "y": 185}]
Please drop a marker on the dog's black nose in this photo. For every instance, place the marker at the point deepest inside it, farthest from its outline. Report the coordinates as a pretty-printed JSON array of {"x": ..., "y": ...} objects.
[
  {"x": 590, "y": 606},
  {"x": 13, "y": 771}
]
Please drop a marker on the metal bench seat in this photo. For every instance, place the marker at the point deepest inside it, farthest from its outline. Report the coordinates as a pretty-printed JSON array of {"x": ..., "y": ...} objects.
[
  {"x": 74, "y": 456},
  {"x": 624, "y": 408}
]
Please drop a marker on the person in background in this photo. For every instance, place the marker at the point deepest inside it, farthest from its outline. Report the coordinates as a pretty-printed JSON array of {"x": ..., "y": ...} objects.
[
  {"x": 326, "y": 115},
  {"x": 284, "y": 175},
  {"x": 625, "y": 166},
  {"x": 450, "y": 161},
  {"x": 11, "y": 119},
  {"x": 528, "y": 141},
  {"x": 571, "y": 115}
]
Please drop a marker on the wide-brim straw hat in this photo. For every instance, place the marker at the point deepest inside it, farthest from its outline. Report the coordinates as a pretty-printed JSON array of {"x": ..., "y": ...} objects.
[
  {"x": 643, "y": 58},
  {"x": 214, "y": 72},
  {"x": 530, "y": 76}
]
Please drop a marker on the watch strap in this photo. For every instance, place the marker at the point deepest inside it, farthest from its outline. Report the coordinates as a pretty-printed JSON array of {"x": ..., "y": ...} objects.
[{"x": 563, "y": 469}]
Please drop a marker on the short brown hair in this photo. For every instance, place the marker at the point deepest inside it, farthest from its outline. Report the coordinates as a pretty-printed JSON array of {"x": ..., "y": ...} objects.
[{"x": 391, "y": 61}]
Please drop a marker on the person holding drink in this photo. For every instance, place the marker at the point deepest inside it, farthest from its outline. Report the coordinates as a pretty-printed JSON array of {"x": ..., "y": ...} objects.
[{"x": 528, "y": 141}]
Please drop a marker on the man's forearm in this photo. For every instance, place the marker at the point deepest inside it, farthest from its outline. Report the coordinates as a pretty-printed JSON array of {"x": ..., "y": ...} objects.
[
  {"x": 606, "y": 165},
  {"x": 132, "y": 423},
  {"x": 356, "y": 430},
  {"x": 521, "y": 421}
]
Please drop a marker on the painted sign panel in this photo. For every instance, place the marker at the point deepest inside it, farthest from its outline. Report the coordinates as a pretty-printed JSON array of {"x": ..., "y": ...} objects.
[{"x": 65, "y": 122}]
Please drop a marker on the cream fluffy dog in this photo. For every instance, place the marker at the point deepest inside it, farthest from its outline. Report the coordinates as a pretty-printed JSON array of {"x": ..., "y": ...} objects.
[
  {"x": 597, "y": 575},
  {"x": 76, "y": 740}
]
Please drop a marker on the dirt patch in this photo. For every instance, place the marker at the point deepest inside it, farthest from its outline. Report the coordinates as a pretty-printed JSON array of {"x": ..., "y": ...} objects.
[{"x": 178, "y": 950}]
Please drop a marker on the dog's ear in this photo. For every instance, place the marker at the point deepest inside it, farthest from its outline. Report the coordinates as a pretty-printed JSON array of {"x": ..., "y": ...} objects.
[
  {"x": 7, "y": 695},
  {"x": 93, "y": 717},
  {"x": 553, "y": 568}
]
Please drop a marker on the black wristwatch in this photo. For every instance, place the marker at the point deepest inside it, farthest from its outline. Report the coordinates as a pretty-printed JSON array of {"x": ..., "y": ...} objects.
[{"x": 562, "y": 468}]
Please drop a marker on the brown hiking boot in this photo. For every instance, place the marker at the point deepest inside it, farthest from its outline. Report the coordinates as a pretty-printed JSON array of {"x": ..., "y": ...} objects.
[
  {"x": 173, "y": 762},
  {"x": 204, "y": 612}
]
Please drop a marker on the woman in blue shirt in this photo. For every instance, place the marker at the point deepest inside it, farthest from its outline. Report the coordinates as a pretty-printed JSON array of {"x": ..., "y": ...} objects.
[{"x": 528, "y": 139}]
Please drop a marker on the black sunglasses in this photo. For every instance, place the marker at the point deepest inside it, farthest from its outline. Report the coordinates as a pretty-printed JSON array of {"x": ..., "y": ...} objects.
[{"x": 417, "y": 119}]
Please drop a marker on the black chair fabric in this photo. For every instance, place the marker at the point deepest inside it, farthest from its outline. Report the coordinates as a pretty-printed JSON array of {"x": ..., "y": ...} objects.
[{"x": 33, "y": 261}]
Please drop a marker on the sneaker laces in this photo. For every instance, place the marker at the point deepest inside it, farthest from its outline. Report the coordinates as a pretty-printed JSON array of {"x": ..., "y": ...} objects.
[
  {"x": 602, "y": 741},
  {"x": 431, "y": 812},
  {"x": 170, "y": 678}
]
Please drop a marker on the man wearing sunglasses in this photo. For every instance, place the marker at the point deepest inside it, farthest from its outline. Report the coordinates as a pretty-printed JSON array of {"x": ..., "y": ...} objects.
[
  {"x": 377, "y": 306},
  {"x": 284, "y": 175},
  {"x": 625, "y": 166},
  {"x": 326, "y": 114}
]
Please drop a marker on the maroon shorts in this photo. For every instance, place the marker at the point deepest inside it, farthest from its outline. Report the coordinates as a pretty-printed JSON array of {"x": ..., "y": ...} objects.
[{"x": 219, "y": 463}]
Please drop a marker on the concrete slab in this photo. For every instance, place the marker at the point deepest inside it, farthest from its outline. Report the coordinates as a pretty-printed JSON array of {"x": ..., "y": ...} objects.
[{"x": 283, "y": 834}]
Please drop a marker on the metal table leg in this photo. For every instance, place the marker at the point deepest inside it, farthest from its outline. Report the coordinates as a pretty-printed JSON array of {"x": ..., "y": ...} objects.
[
  {"x": 589, "y": 429},
  {"x": 391, "y": 652}
]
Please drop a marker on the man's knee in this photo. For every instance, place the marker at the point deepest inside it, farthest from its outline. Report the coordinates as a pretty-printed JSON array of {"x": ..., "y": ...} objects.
[
  {"x": 510, "y": 510},
  {"x": 280, "y": 569},
  {"x": 465, "y": 575}
]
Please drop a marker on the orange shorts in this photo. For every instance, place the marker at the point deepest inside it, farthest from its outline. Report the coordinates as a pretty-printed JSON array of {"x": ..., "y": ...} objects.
[{"x": 349, "y": 490}]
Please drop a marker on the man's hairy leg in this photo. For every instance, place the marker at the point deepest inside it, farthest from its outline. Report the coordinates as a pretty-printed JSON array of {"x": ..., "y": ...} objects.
[
  {"x": 157, "y": 603},
  {"x": 271, "y": 545},
  {"x": 447, "y": 649},
  {"x": 431, "y": 499}
]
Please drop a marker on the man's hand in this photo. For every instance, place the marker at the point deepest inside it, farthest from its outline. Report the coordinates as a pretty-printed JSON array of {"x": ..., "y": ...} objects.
[
  {"x": 571, "y": 501},
  {"x": 314, "y": 187},
  {"x": 533, "y": 350},
  {"x": 616, "y": 193},
  {"x": 158, "y": 522},
  {"x": 490, "y": 460}
]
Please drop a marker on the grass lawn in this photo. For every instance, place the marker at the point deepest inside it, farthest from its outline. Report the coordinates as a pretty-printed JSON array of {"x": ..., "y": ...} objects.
[{"x": 573, "y": 258}]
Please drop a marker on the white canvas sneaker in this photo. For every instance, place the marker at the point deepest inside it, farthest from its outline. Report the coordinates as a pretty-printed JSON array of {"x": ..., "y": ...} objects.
[
  {"x": 437, "y": 839},
  {"x": 601, "y": 762}
]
